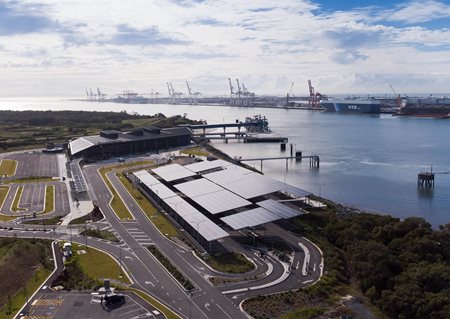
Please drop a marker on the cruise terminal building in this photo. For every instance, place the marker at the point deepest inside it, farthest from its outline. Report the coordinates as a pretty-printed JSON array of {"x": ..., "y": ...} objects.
[{"x": 112, "y": 143}]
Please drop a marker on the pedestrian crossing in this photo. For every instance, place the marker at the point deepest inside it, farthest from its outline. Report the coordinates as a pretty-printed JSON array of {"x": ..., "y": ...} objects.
[{"x": 140, "y": 236}]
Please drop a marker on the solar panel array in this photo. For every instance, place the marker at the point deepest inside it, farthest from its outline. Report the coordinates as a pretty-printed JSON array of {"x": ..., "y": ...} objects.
[
  {"x": 207, "y": 165},
  {"x": 78, "y": 183},
  {"x": 202, "y": 224},
  {"x": 279, "y": 209},
  {"x": 212, "y": 197},
  {"x": 250, "y": 218},
  {"x": 173, "y": 172}
]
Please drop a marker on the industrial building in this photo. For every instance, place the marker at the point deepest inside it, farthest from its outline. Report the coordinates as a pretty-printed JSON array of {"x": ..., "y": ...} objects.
[{"x": 113, "y": 143}]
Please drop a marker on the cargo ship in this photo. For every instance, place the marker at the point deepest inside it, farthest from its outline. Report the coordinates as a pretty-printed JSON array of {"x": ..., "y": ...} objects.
[
  {"x": 352, "y": 106},
  {"x": 426, "y": 107}
]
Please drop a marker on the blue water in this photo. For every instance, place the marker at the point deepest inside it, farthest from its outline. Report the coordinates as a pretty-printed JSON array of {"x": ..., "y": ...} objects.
[{"x": 367, "y": 161}]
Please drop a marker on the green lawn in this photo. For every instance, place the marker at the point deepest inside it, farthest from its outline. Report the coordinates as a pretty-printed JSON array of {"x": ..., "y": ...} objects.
[
  {"x": 7, "y": 167},
  {"x": 197, "y": 151},
  {"x": 99, "y": 265},
  {"x": 230, "y": 263},
  {"x": 166, "y": 311},
  {"x": 49, "y": 199},
  {"x": 31, "y": 179},
  {"x": 117, "y": 204},
  {"x": 156, "y": 217}
]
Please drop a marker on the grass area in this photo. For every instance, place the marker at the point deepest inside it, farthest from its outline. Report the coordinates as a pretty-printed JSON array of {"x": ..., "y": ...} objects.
[
  {"x": 31, "y": 179},
  {"x": 3, "y": 194},
  {"x": 197, "y": 151},
  {"x": 230, "y": 263},
  {"x": 19, "y": 299},
  {"x": 156, "y": 217},
  {"x": 49, "y": 221},
  {"x": 49, "y": 199},
  {"x": 15, "y": 205},
  {"x": 171, "y": 268},
  {"x": 104, "y": 234},
  {"x": 24, "y": 266},
  {"x": 98, "y": 265},
  {"x": 7, "y": 167},
  {"x": 166, "y": 311},
  {"x": 4, "y": 190},
  {"x": 117, "y": 204}
]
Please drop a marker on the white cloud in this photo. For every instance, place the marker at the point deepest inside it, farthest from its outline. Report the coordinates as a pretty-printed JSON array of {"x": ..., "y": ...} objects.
[
  {"x": 418, "y": 11},
  {"x": 143, "y": 44}
]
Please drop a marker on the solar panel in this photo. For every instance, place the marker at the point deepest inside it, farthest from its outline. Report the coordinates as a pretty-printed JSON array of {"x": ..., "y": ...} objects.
[
  {"x": 173, "y": 172},
  {"x": 146, "y": 178},
  {"x": 253, "y": 186},
  {"x": 198, "y": 187},
  {"x": 230, "y": 174},
  {"x": 202, "y": 224},
  {"x": 279, "y": 209},
  {"x": 220, "y": 201},
  {"x": 206, "y": 165},
  {"x": 250, "y": 218}
]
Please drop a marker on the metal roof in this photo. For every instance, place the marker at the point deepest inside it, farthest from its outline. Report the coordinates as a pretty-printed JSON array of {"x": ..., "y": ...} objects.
[
  {"x": 85, "y": 142},
  {"x": 78, "y": 183},
  {"x": 80, "y": 144},
  {"x": 198, "y": 187},
  {"x": 207, "y": 165},
  {"x": 220, "y": 201},
  {"x": 254, "y": 185},
  {"x": 173, "y": 172},
  {"x": 250, "y": 218},
  {"x": 229, "y": 174},
  {"x": 146, "y": 178},
  {"x": 279, "y": 209},
  {"x": 202, "y": 224}
]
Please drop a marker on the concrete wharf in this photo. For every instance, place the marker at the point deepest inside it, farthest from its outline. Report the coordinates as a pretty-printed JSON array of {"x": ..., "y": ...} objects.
[{"x": 314, "y": 160}]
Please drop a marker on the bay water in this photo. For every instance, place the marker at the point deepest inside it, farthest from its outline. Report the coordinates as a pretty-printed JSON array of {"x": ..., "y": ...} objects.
[{"x": 369, "y": 162}]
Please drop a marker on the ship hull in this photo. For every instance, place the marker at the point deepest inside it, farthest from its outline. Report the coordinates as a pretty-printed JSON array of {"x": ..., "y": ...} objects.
[{"x": 352, "y": 106}]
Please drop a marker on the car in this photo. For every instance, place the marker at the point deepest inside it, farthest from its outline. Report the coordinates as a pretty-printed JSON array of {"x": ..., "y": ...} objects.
[
  {"x": 121, "y": 159},
  {"x": 113, "y": 299}
]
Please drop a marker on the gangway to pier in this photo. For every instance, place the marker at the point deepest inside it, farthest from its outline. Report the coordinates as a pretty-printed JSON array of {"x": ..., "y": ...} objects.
[{"x": 314, "y": 160}]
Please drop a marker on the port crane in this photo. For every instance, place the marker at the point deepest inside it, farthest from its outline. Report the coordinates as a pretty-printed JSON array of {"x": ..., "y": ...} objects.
[
  {"x": 239, "y": 93},
  {"x": 398, "y": 99},
  {"x": 100, "y": 95},
  {"x": 249, "y": 97},
  {"x": 314, "y": 97},
  {"x": 232, "y": 94}
]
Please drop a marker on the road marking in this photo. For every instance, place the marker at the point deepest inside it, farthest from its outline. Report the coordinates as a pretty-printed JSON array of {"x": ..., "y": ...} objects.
[
  {"x": 224, "y": 311},
  {"x": 314, "y": 268},
  {"x": 150, "y": 283},
  {"x": 306, "y": 281},
  {"x": 129, "y": 257},
  {"x": 207, "y": 306}
]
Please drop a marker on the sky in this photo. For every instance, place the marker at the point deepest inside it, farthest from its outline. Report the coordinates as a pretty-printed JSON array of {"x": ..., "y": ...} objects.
[{"x": 62, "y": 47}]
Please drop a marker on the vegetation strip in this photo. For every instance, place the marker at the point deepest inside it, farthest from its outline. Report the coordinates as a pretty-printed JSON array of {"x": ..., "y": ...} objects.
[
  {"x": 116, "y": 204},
  {"x": 7, "y": 168},
  {"x": 104, "y": 234},
  {"x": 235, "y": 263},
  {"x": 29, "y": 261},
  {"x": 4, "y": 191},
  {"x": 171, "y": 268},
  {"x": 49, "y": 199},
  {"x": 15, "y": 206},
  {"x": 31, "y": 179},
  {"x": 166, "y": 311},
  {"x": 155, "y": 216},
  {"x": 196, "y": 151}
]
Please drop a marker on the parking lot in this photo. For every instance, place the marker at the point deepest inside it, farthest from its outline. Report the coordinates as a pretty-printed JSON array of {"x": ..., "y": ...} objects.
[
  {"x": 35, "y": 164},
  {"x": 67, "y": 305}
]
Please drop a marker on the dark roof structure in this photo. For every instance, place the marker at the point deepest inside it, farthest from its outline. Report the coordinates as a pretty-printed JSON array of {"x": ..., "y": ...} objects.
[{"x": 110, "y": 143}]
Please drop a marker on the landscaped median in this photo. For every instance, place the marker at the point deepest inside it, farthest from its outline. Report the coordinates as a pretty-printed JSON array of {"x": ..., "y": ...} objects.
[
  {"x": 8, "y": 167},
  {"x": 49, "y": 199},
  {"x": 156, "y": 217},
  {"x": 4, "y": 191},
  {"x": 117, "y": 204},
  {"x": 15, "y": 206}
]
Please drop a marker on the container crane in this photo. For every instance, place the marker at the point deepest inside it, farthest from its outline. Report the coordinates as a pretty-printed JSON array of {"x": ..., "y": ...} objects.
[
  {"x": 314, "y": 97},
  {"x": 398, "y": 99},
  {"x": 232, "y": 94},
  {"x": 239, "y": 92},
  {"x": 190, "y": 93}
]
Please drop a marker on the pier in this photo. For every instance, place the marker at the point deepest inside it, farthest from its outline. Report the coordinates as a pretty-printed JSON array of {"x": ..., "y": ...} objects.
[
  {"x": 314, "y": 160},
  {"x": 426, "y": 179}
]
